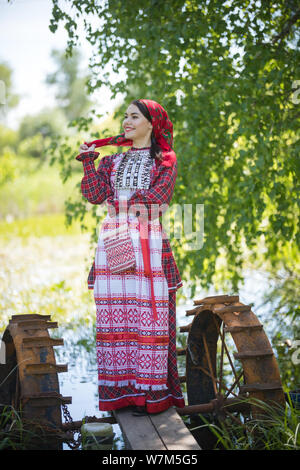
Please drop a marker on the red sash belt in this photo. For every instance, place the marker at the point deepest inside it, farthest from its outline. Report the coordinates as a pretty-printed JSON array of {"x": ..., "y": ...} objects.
[{"x": 143, "y": 229}]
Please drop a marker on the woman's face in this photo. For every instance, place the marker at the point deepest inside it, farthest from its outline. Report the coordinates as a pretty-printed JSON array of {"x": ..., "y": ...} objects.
[{"x": 135, "y": 125}]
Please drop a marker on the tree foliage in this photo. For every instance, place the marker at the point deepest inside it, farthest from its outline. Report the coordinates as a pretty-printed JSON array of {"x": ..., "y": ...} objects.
[{"x": 228, "y": 75}]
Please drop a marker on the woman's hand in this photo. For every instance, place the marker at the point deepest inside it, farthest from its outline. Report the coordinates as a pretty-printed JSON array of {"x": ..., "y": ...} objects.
[
  {"x": 85, "y": 153},
  {"x": 85, "y": 148}
]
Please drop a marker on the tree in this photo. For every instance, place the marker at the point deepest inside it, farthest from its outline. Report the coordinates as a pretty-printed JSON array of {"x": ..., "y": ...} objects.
[
  {"x": 228, "y": 75},
  {"x": 70, "y": 84},
  {"x": 47, "y": 123}
]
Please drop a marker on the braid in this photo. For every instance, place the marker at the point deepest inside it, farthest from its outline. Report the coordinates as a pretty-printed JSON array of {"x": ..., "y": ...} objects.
[{"x": 155, "y": 150}]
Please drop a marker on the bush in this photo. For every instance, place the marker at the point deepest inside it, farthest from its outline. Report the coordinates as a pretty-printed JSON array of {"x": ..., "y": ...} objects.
[{"x": 8, "y": 166}]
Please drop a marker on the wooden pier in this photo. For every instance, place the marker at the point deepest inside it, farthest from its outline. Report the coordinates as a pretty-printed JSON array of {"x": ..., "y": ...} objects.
[{"x": 161, "y": 431}]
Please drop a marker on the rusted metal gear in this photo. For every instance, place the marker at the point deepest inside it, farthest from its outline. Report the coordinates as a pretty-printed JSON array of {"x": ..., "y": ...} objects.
[
  {"x": 29, "y": 383},
  {"x": 253, "y": 367},
  {"x": 29, "y": 377}
]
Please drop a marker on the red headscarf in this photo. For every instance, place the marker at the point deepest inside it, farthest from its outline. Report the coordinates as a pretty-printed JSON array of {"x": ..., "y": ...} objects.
[{"x": 162, "y": 129}]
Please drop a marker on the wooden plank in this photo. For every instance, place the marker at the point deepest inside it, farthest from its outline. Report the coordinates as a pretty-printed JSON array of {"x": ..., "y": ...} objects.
[
  {"x": 45, "y": 368},
  {"x": 29, "y": 317},
  {"x": 185, "y": 328},
  {"x": 233, "y": 308},
  {"x": 253, "y": 354},
  {"x": 138, "y": 431},
  {"x": 37, "y": 324},
  {"x": 216, "y": 299},
  {"x": 46, "y": 400},
  {"x": 195, "y": 310},
  {"x": 42, "y": 342},
  {"x": 181, "y": 351},
  {"x": 173, "y": 432},
  {"x": 242, "y": 328},
  {"x": 255, "y": 387}
]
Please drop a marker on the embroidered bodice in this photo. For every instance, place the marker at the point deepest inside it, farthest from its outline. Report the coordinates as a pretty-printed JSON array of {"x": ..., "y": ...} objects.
[
  {"x": 97, "y": 187},
  {"x": 132, "y": 172}
]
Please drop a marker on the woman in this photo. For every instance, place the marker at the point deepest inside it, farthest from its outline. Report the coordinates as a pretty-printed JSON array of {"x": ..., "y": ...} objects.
[{"x": 135, "y": 307}]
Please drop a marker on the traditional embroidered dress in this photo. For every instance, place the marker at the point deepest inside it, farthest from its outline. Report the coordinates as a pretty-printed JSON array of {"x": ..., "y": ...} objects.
[{"x": 135, "y": 314}]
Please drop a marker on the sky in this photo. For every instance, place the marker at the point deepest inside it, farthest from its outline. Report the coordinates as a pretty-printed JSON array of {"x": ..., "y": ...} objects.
[{"x": 25, "y": 45}]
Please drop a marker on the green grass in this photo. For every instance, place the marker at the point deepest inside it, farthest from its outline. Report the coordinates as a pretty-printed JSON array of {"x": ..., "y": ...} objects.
[
  {"x": 37, "y": 189},
  {"x": 275, "y": 427},
  {"x": 40, "y": 225},
  {"x": 16, "y": 433}
]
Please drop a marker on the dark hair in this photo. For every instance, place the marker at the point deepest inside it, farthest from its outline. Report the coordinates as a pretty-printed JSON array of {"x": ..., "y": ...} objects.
[{"x": 155, "y": 150}]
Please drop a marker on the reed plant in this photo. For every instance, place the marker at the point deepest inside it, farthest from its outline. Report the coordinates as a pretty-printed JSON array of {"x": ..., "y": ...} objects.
[
  {"x": 18, "y": 433},
  {"x": 274, "y": 427},
  {"x": 13, "y": 435}
]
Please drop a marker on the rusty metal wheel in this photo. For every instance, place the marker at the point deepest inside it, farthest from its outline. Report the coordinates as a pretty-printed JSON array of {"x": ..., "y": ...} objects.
[
  {"x": 29, "y": 377},
  {"x": 217, "y": 378}
]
